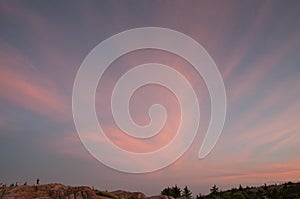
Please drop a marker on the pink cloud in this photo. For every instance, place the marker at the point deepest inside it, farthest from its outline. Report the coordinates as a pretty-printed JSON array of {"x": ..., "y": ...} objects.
[{"x": 22, "y": 84}]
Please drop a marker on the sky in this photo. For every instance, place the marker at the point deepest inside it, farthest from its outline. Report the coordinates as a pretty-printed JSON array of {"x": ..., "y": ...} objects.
[{"x": 255, "y": 45}]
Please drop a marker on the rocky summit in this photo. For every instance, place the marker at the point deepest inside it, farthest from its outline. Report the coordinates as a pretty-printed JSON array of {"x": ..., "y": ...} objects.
[
  {"x": 47, "y": 191},
  {"x": 59, "y": 191}
]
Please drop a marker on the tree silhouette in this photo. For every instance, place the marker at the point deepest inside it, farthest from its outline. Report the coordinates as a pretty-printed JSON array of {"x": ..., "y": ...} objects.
[
  {"x": 174, "y": 191},
  {"x": 240, "y": 188},
  {"x": 187, "y": 193},
  {"x": 288, "y": 190},
  {"x": 199, "y": 196},
  {"x": 214, "y": 190},
  {"x": 166, "y": 191}
]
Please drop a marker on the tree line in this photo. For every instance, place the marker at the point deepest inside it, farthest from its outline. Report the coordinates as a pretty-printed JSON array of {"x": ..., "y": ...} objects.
[
  {"x": 176, "y": 192},
  {"x": 288, "y": 190}
]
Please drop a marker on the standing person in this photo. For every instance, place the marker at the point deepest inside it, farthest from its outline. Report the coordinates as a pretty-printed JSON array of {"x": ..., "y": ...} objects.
[{"x": 37, "y": 181}]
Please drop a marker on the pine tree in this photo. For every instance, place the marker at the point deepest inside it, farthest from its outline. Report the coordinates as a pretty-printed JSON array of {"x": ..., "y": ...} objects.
[
  {"x": 199, "y": 196},
  {"x": 174, "y": 191},
  {"x": 187, "y": 193},
  {"x": 214, "y": 190}
]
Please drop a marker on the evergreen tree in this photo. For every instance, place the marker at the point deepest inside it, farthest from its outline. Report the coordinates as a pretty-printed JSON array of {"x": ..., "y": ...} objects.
[
  {"x": 166, "y": 191},
  {"x": 187, "y": 193},
  {"x": 214, "y": 190},
  {"x": 174, "y": 191},
  {"x": 199, "y": 196},
  {"x": 240, "y": 188}
]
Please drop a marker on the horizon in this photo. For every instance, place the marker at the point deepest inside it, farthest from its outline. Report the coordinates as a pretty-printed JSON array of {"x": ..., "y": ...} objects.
[
  {"x": 181, "y": 189},
  {"x": 254, "y": 44}
]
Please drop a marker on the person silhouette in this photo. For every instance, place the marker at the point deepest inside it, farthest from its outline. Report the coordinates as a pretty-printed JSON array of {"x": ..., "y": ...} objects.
[{"x": 37, "y": 181}]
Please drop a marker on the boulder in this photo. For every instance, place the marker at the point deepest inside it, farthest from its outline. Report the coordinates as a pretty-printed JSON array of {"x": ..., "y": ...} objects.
[{"x": 128, "y": 195}]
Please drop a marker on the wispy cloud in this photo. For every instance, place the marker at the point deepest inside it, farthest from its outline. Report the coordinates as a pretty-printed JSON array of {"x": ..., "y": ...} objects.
[{"x": 24, "y": 86}]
